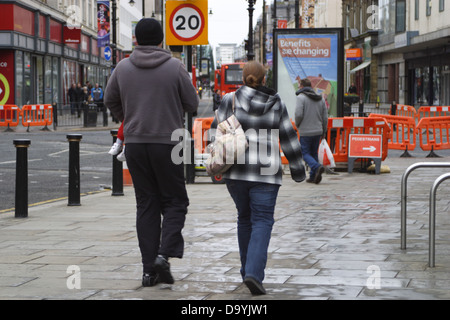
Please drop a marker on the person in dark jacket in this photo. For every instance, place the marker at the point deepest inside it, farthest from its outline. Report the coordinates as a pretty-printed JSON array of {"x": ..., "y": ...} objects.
[
  {"x": 80, "y": 97},
  {"x": 311, "y": 119},
  {"x": 73, "y": 98},
  {"x": 254, "y": 183},
  {"x": 150, "y": 92}
]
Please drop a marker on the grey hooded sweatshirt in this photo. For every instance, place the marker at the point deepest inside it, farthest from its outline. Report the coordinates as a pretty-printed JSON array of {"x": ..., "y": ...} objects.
[
  {"x": 150, "y": 91},
  {"x": 311, "y": 114}
]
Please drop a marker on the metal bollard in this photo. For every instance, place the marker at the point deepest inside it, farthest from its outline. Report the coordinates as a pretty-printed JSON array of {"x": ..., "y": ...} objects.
[
  {"x": 432, "y": 221},
  {"x": 74, "y": 169},
  {"x": 404, "y": 194},
  {"x": 21, "y": 204},
  {"x": 117, "y": 175}
]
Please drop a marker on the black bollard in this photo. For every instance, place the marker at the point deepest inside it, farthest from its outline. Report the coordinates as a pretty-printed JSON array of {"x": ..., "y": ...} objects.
[
  {"x": 74, "y": 169},
  {"x": 21, "y": 203},
  {"x": 117, "y": 174}
]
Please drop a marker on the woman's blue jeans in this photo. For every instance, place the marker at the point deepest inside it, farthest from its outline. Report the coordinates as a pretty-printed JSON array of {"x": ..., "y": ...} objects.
[{"x": 255, "y": 203}]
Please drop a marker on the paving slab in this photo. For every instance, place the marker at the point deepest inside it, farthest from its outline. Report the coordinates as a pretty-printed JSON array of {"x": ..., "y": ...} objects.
[{"x": 333, "y": 241}]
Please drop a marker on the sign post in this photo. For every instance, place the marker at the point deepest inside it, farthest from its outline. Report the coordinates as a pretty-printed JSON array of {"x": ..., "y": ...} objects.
[
  {"x": 366, "y": 146},
  {"x": 187, "y": 25}
]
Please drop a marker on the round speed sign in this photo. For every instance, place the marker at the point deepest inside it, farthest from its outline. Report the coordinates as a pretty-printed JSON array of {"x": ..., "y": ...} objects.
[{"x": 187, "y": 22}]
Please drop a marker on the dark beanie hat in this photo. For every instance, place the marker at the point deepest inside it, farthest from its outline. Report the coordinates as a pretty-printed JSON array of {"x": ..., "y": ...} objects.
[{"x": 149, "y": 32}]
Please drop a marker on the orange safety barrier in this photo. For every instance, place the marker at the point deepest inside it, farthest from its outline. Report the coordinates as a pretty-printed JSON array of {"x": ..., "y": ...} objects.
[
  {"x": 405, "y": 111},
  {"x": 37, "y": 115},
  {"x": 199, "y": 133},
  {"x": 403, "y": 131},
  {"x": 436, "y": 133},
  {"x": 9, "y": 116},
  {"x": 340, "y": 129},
  {"x": 428, "y": 112}
]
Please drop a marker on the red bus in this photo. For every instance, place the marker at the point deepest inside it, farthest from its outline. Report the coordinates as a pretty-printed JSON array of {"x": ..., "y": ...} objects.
[{"x": 228, "y": 78}]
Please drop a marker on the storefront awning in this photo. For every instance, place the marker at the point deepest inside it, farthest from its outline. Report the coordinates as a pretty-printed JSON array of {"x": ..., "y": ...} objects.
[{"x": 361, "y": 66}]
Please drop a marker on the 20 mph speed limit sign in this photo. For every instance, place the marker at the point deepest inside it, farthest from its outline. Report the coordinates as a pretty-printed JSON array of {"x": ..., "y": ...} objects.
[{"x": 186, "y": 22}]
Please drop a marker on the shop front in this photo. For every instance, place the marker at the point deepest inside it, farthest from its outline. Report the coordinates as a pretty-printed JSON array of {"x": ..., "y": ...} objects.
[
  {"x": 429, "y": 77},
  {"x": 37, "y": 64}
]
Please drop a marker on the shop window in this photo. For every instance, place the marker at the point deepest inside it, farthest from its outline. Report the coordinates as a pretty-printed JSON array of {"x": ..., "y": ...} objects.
[
  {"x": 428, "y": 3},
  {"x": 55, "y": 82},
  {"x": 48, "y": 80},
  {"x": 27, "y": 91},
  {"x": 400, "y": 19},
  {"x": 19, "y": 78}
]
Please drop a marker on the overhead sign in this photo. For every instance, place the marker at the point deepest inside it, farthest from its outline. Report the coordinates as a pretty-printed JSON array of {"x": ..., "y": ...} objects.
[
  {"x": 365, "y": 146},
  {"x": 187, "y": 22}
]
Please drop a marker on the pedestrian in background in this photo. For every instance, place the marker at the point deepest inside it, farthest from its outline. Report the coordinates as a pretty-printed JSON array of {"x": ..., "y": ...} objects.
[
  {"x": 150, "y": 92},
  {"x": 216, "y": 99},
  {"x": 79, "y": 98},
  {"x": 311, "y": 119},
  {"x": 97, "y": 96},
  {"x": 254, "y": 184},
  {"x": 73, "y": 98}
]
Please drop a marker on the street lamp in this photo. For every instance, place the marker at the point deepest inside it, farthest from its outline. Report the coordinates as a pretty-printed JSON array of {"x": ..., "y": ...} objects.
[{"x": 250, "y": 53}]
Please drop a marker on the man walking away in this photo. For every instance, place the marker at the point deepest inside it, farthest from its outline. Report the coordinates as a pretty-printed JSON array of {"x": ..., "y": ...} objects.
[
  {"x": 150, "y": 91},
  {"x": 311, "y": 119}
]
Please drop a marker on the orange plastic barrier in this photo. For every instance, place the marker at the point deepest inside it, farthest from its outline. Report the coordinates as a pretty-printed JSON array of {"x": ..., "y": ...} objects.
[
  {"x": 199, "y": 133},
  {"x": 9, "y": 116},
  {"x": 340, "y": 129},
  {"x": 37, "y": 115},
  {"x": 429, "y": 112},
  {"x": 405, "y": 111},
  {"x": 403, "y": 131},
  {"x": 436, "y": 133}
]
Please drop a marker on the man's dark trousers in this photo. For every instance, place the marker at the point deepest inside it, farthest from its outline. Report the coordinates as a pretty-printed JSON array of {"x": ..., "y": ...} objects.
[{"x": 160, "y": 192}]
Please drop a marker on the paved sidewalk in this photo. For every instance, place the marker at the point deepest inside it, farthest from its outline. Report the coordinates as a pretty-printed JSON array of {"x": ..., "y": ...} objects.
[{"x": 330, "y": 241}]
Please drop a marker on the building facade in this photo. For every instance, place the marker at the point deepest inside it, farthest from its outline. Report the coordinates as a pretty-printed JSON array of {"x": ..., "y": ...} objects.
[
  {"x": 414, "y": 52},
  {"x": 39, "y": 60}
]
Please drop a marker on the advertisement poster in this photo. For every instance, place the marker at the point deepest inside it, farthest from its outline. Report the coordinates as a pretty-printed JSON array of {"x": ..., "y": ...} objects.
[
  {"x": 103, "y": 23},
  {"x": 315, "y": 54}
]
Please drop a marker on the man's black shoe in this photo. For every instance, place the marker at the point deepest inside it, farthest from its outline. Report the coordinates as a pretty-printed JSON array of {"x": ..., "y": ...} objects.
[
  {"x": 318, "y": 176},
  {"x": 162, "y": 268},
  {"x": 255, "y": 287},
  {"x": 149, "y": 280}
]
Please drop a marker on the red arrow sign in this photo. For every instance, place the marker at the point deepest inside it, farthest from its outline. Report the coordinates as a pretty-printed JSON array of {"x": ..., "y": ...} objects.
[{"x": 365, "y": 146}]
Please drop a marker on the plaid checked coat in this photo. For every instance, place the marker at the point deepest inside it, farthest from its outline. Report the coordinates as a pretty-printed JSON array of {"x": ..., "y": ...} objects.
[{"x": 267, "y": 126}]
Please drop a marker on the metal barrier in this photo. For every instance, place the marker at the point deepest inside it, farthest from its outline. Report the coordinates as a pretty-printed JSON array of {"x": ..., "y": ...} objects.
[
  {"x": 432, "y": 232},
  {"x": 404, "y": 196},
  {"x": 66, "y": 115}
]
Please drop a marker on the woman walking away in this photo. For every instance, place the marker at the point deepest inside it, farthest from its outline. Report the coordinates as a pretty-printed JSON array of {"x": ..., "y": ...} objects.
[{"x": 254, "y": 184}]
